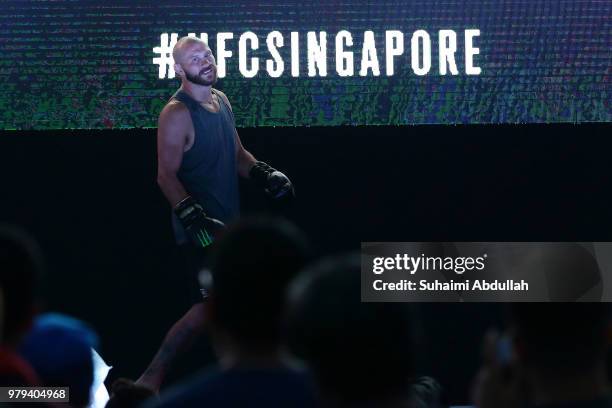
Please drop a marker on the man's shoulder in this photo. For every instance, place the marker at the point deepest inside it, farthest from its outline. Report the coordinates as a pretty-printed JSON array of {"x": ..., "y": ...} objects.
[{"x": 174, "y": 109}]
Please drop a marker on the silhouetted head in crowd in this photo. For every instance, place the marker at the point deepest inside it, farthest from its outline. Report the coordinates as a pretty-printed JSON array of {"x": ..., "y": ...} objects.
[
  {"x": 572, "y": 272},
  {"x": 126, "y": 394},
  {"x": 360, "y": 353},
  {"x": 21, "y": 267},
  {"x": 561, "y": 346},
  {"x": 252, "y": 266},
  {"x": 425, "y": 392},
  {"x": 59, "y": 348}
]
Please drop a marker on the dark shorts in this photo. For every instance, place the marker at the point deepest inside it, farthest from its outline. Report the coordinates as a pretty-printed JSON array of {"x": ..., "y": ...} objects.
[{"x": 190, "y": 261}]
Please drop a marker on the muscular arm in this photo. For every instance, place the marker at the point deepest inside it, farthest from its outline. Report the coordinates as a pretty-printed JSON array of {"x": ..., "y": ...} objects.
[
  {"x": 173, "y": 126},
  {"x": 244, "y": 158}
]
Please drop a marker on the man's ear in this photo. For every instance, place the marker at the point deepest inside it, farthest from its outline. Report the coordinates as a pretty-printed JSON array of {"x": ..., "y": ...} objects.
[{"x": 178, "y": 70}]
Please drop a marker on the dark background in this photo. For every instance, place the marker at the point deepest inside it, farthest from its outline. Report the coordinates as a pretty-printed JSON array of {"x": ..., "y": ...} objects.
[{"x": 91, "y": 199}]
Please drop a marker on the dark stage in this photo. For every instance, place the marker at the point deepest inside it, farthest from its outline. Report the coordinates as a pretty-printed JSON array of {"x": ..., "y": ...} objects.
[{"x": 91, "y": 199}]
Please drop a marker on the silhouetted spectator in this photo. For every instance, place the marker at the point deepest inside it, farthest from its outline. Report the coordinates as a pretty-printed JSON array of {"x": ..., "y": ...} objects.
[
  {"x": 20, "y": 270},
  {"x": 127, "y": 394},
  {"x": 59, "y": 348},
  {"x": 425, "y": 392},
  {"x": 558, "y": 359},
  {"x": 362, "y": 354},
  {"x": 252, "y": 266}
]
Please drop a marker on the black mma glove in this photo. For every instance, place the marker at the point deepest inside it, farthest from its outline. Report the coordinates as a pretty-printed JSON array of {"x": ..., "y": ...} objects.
[
  {"x": 200, "y": 228},
  {"x": 274, "y": 183}
]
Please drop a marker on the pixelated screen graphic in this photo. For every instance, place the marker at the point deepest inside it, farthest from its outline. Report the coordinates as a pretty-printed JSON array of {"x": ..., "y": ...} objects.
[{"x": 92, "y": 64}]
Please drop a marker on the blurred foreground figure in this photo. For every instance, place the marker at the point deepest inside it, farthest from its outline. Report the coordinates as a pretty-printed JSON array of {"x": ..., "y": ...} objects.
[
  {"x": 361, "y": 354},
  {"x": 20, "y": 270},
  {"x": 252, "y": 267},
  {"x": 59, "y": 348},
  {"x": 557, "y": 358}
]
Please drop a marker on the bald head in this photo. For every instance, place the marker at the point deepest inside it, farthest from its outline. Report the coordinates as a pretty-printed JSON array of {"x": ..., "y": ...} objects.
[
  {"x": 182, "y": 44},
  {"x": 194, "y": 62}
]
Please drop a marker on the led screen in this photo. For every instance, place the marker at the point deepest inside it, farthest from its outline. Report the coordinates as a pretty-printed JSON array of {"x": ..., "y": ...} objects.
[{"x": 95, "y": 64}]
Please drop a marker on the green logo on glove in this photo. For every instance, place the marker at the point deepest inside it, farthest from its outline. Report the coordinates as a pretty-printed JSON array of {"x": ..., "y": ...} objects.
[{"x": 204, "y": 238}]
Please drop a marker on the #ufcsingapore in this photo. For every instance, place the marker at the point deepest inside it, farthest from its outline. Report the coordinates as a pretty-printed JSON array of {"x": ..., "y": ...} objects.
[{"x": 320, "y": 44}]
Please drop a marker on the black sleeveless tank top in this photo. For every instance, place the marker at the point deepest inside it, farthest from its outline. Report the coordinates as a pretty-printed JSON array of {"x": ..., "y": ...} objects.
[{"x": 209, "y": 171}]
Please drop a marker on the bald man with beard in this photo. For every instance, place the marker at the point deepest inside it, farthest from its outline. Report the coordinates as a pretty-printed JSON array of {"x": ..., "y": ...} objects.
[{"x": 200, "y": 155}]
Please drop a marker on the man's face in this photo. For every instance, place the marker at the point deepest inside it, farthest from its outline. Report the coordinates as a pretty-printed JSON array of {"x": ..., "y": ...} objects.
[{"x": 198, "y": 64}]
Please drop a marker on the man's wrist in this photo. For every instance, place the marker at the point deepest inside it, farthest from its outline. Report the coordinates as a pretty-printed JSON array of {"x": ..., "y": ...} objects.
[
  {"x": 181, "y": 202},
  {"x": 260, "y": 171},
  {"x": 249, "y": 167}
]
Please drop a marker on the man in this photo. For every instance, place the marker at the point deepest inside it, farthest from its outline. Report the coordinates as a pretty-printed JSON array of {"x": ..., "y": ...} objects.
[{"x": 200, "y": 154}]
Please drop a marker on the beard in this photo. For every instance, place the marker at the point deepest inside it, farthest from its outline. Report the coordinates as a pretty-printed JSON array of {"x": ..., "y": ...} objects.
[{"x": 198, "y": 80}]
